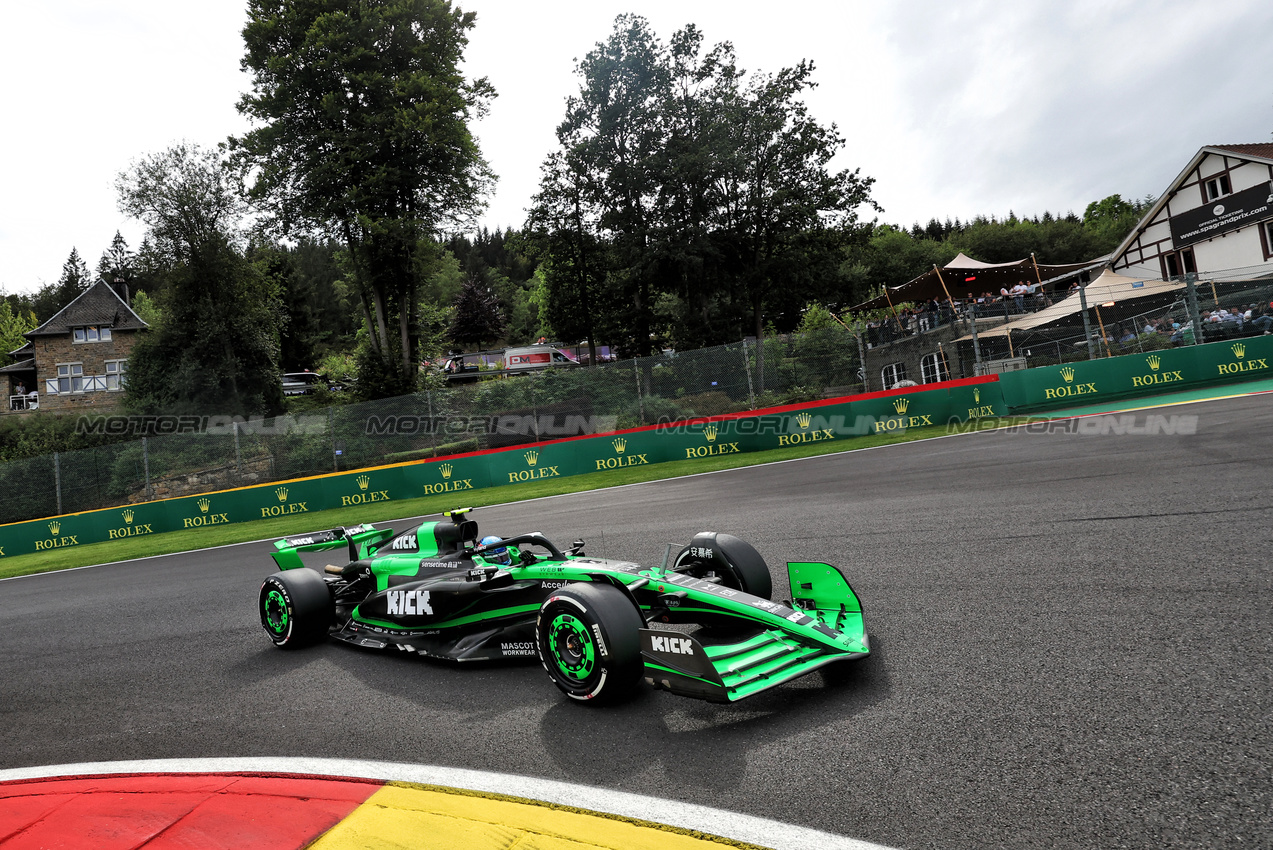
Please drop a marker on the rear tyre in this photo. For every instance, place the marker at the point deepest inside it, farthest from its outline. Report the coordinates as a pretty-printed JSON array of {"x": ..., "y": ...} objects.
[
  {"x": 587, "y": 639},
  {"x": 724, "y": 556},
  {"x": 296, "y": 608}
]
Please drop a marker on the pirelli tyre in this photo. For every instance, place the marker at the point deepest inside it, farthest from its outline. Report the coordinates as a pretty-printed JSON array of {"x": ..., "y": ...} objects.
[
  {"x": 296, "y": 608},
  {"x": 587, "y": 639},
  {"x": 724, "y": 556}
]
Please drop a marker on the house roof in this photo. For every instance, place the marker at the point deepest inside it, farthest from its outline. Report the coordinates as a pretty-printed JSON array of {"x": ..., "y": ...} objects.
[
  {"x": 20, "y": 366},
  {"x": 1259, "y": 150},
  {"x": 97, "y": 305}
]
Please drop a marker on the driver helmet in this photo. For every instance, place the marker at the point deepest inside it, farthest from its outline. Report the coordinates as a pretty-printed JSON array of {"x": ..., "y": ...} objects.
[{"x": 498, "y": 555}]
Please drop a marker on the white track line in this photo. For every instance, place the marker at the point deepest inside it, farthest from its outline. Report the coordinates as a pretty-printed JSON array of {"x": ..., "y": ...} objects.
[{"x": 739, "y": 827}]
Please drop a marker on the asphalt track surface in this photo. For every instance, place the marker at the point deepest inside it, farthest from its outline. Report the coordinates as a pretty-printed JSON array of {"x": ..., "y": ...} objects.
[{"x": 1071, "y": 633}]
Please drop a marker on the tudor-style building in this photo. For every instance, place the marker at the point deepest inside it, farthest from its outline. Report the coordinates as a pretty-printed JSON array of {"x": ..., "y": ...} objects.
[
  {"x": 77, "y": 359},
  {"x": 1215, "y": 219}
]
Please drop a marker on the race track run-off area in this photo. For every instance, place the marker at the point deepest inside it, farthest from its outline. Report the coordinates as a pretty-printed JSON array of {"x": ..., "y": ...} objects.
[{"x": 1071, "y": 634}]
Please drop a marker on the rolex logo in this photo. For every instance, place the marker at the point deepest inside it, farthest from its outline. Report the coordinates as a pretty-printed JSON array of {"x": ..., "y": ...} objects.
[
  {"x": 55, "y": 527},
  {"x": 446, "y": 469},
  {"x": 803, "y": 419},
  {"x": 127, "y": 515},
  {"x": 532, "y": 457},
  {"x": 901, "y": 405},
  {"x": 620, "y": 445},
  {"x": 1154, "y": 361},
  {"x": 281, "y": 492},
  {"x": 976, "y": 395},
  {"x": 204, "y": 504},
  {"x": 1068, "y": 374},
  {"x": 710, "y": 433},
  {"x": 1239, "y": 350},
  {"x": 363, "y": 481}
]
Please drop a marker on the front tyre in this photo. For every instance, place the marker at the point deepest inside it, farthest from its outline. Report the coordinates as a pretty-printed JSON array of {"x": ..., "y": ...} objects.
[
  {"x": 587, "y": 639},
  {"x": 296, "y": 608},
  {"x": 734, "y": 562}
]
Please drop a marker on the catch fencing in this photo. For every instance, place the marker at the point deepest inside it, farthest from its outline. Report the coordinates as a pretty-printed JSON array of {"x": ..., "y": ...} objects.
[{"x": 182, "y": 456}]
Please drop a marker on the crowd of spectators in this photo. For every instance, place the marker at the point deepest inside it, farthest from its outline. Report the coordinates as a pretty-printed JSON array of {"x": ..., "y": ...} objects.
[{"x": 1017, "y": 300}]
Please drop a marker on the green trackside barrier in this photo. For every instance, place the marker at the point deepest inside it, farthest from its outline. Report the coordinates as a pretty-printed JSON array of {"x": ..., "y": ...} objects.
[
  {"x": 878, "y": 413},
  {"x": 1132, "y": 375}
]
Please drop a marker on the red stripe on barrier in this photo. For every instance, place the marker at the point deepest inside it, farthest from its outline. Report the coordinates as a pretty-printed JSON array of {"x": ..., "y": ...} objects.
[{"x": 175, "y": 812}]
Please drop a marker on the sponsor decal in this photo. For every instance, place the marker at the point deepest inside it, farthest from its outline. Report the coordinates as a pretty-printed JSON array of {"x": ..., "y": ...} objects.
[
  {"x": 285, "y": 508},
  {"x": 1240, "y": 365},
  {"x": 205, "y": 516},
  {"x": 448, "y": 485},
  {"x": 365, "y": 496},
  {"x": 439, "y": 565},
  {"x": 620, "y": 446},
  {"x": 979, "y": 411},
  {"x": 535, "y": 472},
  {"x": 1155, "y": 376},
  {"x": 553, "y": 584},
  {"x": 901, "y": 422},
  {"x": 56, "y": 542},
  {"x": 1069, "y": 388},
  {"x": 518, "y": 648},
  {"x": 803, "y": 419},
  {"x": 403, "y": 602},
  {"x": 806, "y": 437},
  {"x": 405, "y": 542},
  {"x": 601, "y": 642},
  {"x": 710, "y": 433},
  {"x": 673, "y": 645},
  {"x": 128, "y": 529}
]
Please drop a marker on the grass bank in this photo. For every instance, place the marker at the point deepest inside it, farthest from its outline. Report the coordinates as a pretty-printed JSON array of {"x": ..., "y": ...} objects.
[{"x": 203, "y": 538}]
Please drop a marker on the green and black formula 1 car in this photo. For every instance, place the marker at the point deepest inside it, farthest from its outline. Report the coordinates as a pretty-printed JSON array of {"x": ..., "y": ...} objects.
[{"x": 702, "y": 626}]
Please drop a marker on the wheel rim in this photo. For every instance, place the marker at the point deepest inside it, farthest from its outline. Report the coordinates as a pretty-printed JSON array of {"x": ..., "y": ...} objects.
[
  {"x": 572, "y": 648},
  {"x": 274, "y": 611}
]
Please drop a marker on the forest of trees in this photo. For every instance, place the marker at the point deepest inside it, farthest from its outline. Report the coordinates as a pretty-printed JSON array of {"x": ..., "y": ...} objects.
[{"x": 687, "y": 204}]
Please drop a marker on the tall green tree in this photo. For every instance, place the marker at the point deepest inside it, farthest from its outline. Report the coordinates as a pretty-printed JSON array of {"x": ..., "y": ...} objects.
[
  {"x": 71, "y": 283},
  {"x": 117, "y": 263},
  {"x": 13, "y": 324},
  {"x": 215, "y": 349},
  {"x": 363, "y": 113}
]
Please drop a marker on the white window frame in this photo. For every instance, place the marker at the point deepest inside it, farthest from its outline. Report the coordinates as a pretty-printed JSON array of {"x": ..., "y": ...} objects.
[
  {"x": 898, "y": 371},
  {"x": 116, "y": 371},
  {"x": 933, "y": 369},
  {"x": 90, "y": 333},
  {"x": 1219, "y": 186},
  {"x": 69, "y": 380}
]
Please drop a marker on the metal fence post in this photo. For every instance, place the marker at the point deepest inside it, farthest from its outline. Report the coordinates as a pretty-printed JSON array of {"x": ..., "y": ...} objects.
[
  {"x": 331, "y": 432},
  {"x": 636, "y": 370},
  {"x": 57, "y": 479},
  {"x": 238, "y": 456},
  {"x": 145, "y": 465},
  {"x": 751, "y": 390}
]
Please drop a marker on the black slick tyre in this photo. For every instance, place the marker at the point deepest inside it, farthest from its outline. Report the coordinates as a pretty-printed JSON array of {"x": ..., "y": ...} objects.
[
  {"x": 296, "y": 608},
  {"x": 587, "y": 639},
  {"x": 724, "y": 556}
]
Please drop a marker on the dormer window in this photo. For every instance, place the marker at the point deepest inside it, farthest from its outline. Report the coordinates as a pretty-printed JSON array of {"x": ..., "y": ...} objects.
[{"x": 92, "y": 333}]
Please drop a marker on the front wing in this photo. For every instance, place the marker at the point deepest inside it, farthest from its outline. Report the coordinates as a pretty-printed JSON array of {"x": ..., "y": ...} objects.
[{"x": 825, "y": 626}]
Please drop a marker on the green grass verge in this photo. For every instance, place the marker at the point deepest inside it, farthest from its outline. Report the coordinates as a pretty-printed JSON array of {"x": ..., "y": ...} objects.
[{"x": 203, "y": 538}]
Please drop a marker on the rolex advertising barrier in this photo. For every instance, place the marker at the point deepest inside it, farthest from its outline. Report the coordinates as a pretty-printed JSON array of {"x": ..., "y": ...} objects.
[
  {"x": 892, "y": 411},
  {"x": 1152, "y": 373},
  {"x": 887, "y": 412}
]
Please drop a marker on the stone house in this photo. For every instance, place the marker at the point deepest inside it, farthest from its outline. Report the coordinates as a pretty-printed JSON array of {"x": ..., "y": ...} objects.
[{"x": 77, "y": 360}]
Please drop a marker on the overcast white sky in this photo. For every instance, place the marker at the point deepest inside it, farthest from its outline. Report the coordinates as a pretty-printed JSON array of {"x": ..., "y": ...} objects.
[{"x": 956, "y": 109}]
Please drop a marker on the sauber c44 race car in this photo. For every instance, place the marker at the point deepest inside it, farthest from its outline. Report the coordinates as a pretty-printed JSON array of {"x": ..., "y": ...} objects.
[{"x": 700, "y": 624}]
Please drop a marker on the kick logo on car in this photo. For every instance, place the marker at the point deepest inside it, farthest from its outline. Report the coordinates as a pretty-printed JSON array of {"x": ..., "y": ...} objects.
[
  {"x": 676, "y": 646},
  {"x": 409, "y": 602}
]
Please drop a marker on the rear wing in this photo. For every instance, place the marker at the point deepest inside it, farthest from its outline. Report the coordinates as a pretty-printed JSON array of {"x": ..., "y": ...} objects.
[{"x": 355, "y": 540}]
